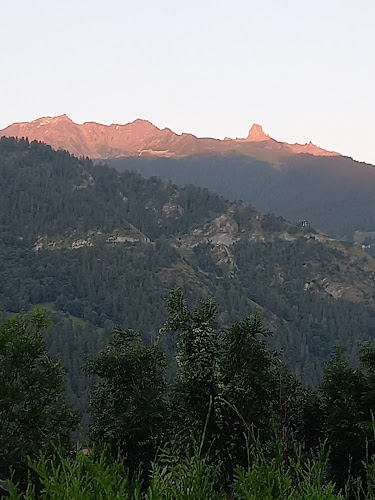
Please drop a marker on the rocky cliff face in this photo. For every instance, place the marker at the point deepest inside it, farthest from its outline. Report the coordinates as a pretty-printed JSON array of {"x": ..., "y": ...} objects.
[
  {"x": 256, "y": 134},
  {"x": 142, "y": 138}
]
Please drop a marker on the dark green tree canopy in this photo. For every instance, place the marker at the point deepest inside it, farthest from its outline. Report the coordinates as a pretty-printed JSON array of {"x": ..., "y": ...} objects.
[
  {"x": 228, "y": 383},
  {"x": 33, "y": 411},
  {"x": 128, "y": 405}
]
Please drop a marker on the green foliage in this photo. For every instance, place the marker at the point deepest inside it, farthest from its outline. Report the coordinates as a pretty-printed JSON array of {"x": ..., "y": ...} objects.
[
  {"x": 93, "y": 477},
  {"x": 365, "y": 488},
  {"x": 97, "y": 476},
  {"x": 341, "y": 412},
  {"x": 74, "y": 341},
  {"x": 227, "y": 382},
  {"x": 248, "y": 369},
  {"x": 52, "y": 199},
  {"x": 256, "y": 387},
  {"x": 231, "y": 393},
  {"x": 294, "y": 481},
  {"x": 128, "y": 405},
  {"x": 276, "y": 273},
  {"x": 182, "y": 479},
  {"x": 276, "y": 476},
  {"x": 33, "y": 411},
  {"x": 343, "y": 390},
  {"x": 196, "y": 380}
]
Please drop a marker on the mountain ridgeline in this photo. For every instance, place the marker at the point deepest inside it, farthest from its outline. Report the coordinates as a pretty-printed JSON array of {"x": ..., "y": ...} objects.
[
  {"x": 334, "y": 193},
  {"x": 297, "y": 181},
  {"x": 142, "y": 138}
]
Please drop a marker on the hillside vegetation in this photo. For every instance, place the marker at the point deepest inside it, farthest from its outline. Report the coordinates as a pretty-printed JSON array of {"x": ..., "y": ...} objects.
[
  {"x": 335, "y": 194},
  {"x": 233, "y": 423},
  {"x": 105, "y": 247}
]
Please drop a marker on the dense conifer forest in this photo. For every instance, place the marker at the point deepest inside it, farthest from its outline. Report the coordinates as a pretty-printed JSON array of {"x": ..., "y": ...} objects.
[
  {"x": 225, "y": 398},
  {"x": 335, "y": 194}
]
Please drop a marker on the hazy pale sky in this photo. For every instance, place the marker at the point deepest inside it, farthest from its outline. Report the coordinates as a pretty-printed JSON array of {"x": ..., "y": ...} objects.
[{"x": 304, "y": 70}]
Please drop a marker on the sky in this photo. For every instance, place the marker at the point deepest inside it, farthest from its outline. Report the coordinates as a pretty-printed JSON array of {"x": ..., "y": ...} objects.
[{"x": 304, "y": 70}]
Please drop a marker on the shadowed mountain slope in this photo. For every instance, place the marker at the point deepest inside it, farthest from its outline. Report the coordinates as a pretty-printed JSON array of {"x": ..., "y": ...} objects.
[
  {"x": 105, "y": 247},
  {"x": 335, "y": 194}
]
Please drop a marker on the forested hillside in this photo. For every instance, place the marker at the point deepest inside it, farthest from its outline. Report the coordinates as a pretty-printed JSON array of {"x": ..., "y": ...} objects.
[
  {"x": 234, "y": 423},
  {"x": 98, "y": 248},
  {"x": 335, "y": 194},
  {"x": 297, "y": 181}
]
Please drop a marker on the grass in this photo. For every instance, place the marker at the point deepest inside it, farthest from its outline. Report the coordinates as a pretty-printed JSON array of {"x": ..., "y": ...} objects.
[
  {"x": 47, "y": 306},
  {"x": 51, "y": 308},
  {"x": 188, "y": 254},
  {"x": 97, "y": 476}
]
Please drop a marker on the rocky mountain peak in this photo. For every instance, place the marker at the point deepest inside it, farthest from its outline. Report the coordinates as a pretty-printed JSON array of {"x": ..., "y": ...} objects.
[
  {"x": 141, "y": 137},
  {"x": 256, "y": 134}
]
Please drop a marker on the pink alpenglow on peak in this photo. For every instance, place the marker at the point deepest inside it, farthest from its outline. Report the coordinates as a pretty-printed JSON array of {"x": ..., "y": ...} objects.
[
  {"x": 256, "y": 134},
  {"x": 142, "y": 138}
]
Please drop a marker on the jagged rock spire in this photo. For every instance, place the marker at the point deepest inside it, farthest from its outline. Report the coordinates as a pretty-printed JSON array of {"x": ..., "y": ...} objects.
[{"x": 256, "y": 134}]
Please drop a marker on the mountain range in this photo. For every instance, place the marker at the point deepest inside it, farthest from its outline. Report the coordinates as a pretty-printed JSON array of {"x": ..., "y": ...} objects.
[
  {"x": 333, "y": 193},
  {"x": 142, "y": 138}
]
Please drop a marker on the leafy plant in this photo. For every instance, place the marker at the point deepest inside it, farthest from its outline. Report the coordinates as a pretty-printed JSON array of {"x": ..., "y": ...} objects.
[{"x": 96, "y": 476}]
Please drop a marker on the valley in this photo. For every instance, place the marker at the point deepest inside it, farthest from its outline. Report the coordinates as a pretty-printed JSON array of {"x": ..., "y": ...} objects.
[{"x": 108, "y": 251}]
